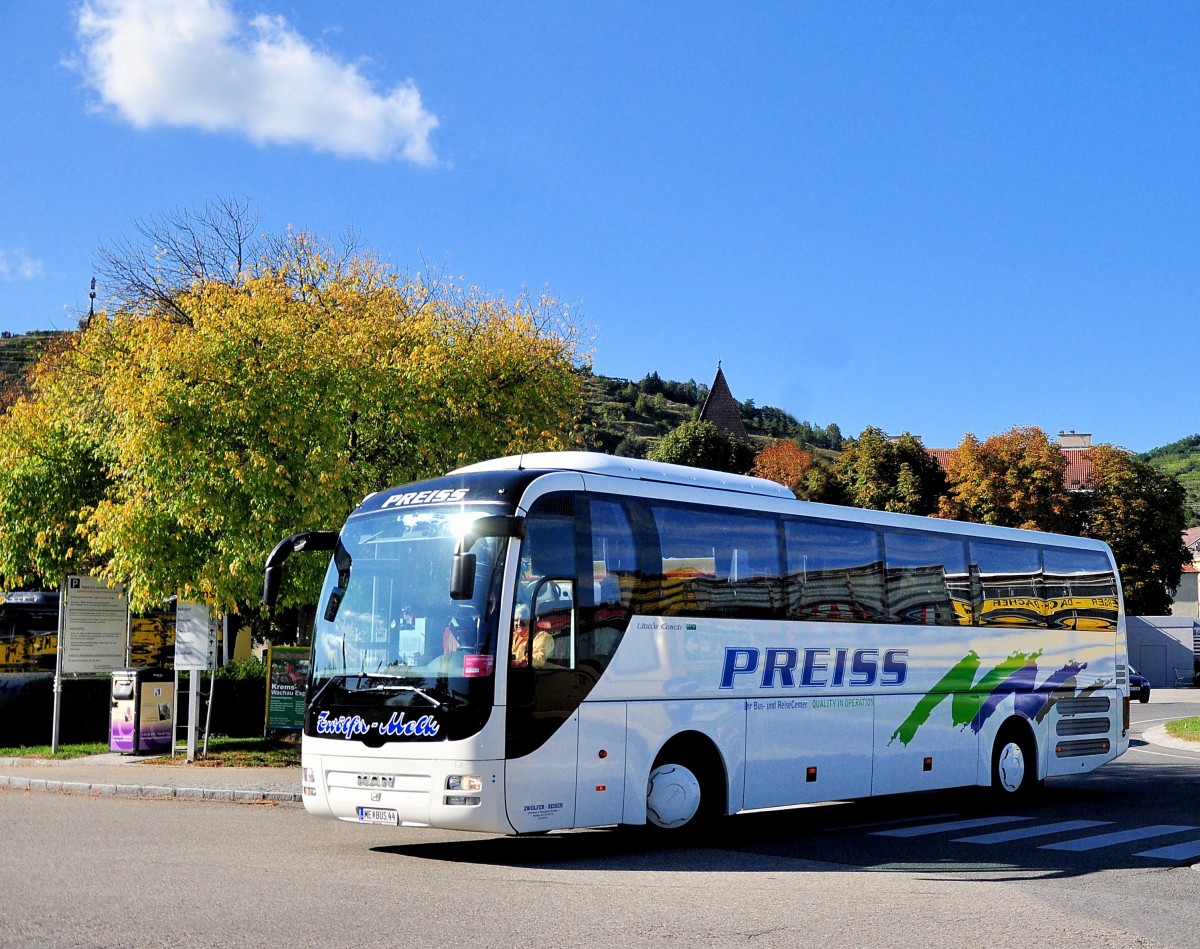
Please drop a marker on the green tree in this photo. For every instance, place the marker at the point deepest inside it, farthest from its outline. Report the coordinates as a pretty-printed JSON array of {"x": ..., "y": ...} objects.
[
  {"x": 1011, "y": 480},
  {"x": 821, "y": 483},
  {"x": 170, "y": 448},
  {"x": 700, "y": 445},
  {"x": 52, "y": 474},
  {"x": 887, "y": 474},
  {"x": 1140, "y": 513}
]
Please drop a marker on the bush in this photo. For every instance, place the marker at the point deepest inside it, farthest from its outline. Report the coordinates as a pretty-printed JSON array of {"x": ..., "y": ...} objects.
[{"x": 243, "y": 669}]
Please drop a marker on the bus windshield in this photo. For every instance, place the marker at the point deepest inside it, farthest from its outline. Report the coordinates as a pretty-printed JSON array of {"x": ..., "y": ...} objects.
[{"x": 386, "y": 622}]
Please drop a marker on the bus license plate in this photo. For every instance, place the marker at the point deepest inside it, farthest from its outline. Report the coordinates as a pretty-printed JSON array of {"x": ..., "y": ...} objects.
[{"x": 378, "y": 815}]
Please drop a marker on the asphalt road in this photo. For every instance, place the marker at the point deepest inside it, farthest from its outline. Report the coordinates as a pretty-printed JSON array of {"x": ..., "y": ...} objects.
[{"x": 1084, "y": 865}]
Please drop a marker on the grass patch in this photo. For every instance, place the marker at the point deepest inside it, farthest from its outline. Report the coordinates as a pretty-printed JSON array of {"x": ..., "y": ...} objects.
[
  {"x": 65, "y": 752},
  {"x": 281, "y": 752},
  {"x": 274, "y": 752},
  {"x": 1186, "y": 728}
]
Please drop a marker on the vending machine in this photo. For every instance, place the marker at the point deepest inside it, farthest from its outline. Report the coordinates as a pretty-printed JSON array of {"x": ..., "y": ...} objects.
[{"x": 142, "y": 714}]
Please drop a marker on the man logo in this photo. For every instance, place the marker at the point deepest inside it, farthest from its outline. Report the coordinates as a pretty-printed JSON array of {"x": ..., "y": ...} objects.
[{"x": 376, "y": 781}]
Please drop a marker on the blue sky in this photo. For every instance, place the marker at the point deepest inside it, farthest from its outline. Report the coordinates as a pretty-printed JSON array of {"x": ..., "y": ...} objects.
[{"x": 927, "y": 217}]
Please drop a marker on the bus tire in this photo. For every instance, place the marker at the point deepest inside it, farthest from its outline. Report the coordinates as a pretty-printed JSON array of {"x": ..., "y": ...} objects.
[{"x": 1014, "y": 763}]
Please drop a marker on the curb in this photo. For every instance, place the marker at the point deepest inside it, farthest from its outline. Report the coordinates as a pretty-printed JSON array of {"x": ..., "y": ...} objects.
[
  {"x": 235, "y": 796},
  {"x": 1158, "y": 736}
]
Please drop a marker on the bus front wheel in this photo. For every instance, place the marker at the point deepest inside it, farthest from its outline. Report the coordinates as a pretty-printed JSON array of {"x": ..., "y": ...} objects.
[
  {"x": 1014, "y": 764},
  {"x": 673, "y": 797}
]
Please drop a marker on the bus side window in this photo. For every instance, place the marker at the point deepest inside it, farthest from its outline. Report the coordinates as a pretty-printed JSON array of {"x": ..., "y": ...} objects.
[
  {"x": 719, "y": 562},
  {"x": 614, "y": 579},
  {"x": 1081, "y": 589},
  {"x": 927, "y": 579},
  {"x": 835, "y": 572},
  {"x": 1011, "y": 578},
  {"x": 689, "y": 560},
  {"x": 547, "y": 585}
]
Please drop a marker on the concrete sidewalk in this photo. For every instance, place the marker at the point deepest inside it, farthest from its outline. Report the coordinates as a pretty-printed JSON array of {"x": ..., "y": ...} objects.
[{"x": 148, "y": 777}]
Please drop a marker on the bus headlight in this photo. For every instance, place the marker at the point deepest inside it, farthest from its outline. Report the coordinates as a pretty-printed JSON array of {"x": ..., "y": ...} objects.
[{"x": 464, "y": 782}]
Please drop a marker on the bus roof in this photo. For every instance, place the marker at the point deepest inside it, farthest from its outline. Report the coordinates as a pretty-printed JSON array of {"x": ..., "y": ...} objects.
[
  {"x": 595, "y": 463},
  {"x": 590, "y": 462}
]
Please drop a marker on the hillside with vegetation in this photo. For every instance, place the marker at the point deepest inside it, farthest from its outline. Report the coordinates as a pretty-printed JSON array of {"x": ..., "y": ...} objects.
[
  {"x": 627, "y": 418},
  {"x": 1181, "y": 459}
]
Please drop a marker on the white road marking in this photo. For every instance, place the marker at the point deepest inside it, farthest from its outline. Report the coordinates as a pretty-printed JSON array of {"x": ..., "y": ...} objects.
[
  {"x": 928, "y": 829},
  {"x": 1176, "y": 852},
  {"x": 1118, "y": 837},
  {"x": 1023, "y": 833}
]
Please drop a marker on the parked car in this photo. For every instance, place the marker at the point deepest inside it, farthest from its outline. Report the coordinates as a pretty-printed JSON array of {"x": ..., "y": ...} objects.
[{"x": 1139, "y": 686}]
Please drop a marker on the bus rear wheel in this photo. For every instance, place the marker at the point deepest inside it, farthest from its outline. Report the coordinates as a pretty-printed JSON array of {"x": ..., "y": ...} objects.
[
  {"x": 673, "y": 797},
  {"x": 1014, "y": 764}
]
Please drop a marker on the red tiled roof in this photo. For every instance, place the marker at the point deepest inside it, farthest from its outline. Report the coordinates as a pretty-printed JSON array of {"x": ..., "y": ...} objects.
[{"x": 1077, "y": 476}]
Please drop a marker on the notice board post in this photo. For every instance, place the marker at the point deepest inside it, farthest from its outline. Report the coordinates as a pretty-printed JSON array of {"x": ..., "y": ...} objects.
[
  {"x": 93, "y": 632},
  {"x": 195, "y": 652}
]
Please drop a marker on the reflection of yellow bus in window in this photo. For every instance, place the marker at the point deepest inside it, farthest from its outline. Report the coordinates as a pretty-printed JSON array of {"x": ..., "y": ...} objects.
[{"x": 1028, "y": 585}]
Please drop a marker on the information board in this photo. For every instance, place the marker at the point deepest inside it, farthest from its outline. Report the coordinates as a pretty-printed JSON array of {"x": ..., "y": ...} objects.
[
  {"x": 287, "y": 680},
  {"x": 95, "y": 621},
  {"x": 195, "y": 638}
]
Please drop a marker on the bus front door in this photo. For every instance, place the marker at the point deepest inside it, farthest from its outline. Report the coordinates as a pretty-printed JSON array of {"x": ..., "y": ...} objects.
[{"x": 542, "y": 726}]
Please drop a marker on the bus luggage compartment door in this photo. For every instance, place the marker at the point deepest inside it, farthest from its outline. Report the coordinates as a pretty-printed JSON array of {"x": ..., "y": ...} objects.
[
  {"x": 599, "y": 798},
  {"x": 799, "y": 751}
]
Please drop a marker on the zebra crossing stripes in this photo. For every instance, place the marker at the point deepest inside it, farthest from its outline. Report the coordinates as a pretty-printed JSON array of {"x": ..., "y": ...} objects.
[
  {"x": 1186, "y": 850},
  {"x": 926, "y": 830},
  {"x": 1025, "y": 833},
  {"x": 1118, "y": 837}
]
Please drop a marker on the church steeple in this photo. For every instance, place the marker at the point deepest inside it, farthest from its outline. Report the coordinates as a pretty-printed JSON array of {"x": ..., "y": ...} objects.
[{"x": 721, "y": 409}]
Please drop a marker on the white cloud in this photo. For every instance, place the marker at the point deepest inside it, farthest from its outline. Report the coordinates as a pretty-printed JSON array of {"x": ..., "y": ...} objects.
[
  {"x": 193, "y": 63},
  {"x": 15, "y": 265}
]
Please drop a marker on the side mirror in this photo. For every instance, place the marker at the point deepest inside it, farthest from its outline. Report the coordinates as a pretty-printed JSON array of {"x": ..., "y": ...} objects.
[
  {"x": 308, "y": 540},
  {"x": 271, "y": 580},
  {"x": 462, "y": 576},
  {"x": 336, "y": 595}
]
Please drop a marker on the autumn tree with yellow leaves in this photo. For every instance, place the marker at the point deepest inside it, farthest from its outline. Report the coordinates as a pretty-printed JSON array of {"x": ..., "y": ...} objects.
[
  {"x": 1014, "y": 479},
  {"x": 169, "y": 447}
]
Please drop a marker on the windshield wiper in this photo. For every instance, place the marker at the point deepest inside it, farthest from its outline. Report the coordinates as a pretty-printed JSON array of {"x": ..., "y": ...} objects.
[
  {"x": 387, "y": 683},
  {"x": 321, "y": 690}
]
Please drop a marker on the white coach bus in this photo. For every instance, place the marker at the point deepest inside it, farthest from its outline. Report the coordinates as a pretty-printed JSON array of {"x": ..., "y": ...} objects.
[{"x": 570, "y": 639}]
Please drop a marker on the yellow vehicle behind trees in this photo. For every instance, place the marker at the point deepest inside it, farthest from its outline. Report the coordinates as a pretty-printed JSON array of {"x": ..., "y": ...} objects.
[{"x": 29, "y": 634}]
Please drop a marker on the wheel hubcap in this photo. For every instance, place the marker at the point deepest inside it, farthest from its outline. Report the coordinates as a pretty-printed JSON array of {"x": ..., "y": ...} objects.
[
  {"x": 1011, "y": 767},
  {"x": 672, "y": 796}
]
